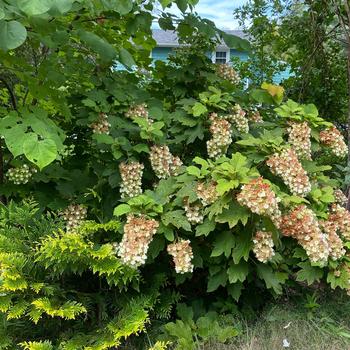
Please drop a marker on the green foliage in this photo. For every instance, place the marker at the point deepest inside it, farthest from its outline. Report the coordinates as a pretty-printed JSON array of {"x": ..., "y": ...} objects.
[{"x": 65, "y": 107}]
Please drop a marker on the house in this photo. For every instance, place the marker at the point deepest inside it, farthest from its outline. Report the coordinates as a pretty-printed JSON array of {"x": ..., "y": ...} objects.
[{"x": 167, "y": 42}]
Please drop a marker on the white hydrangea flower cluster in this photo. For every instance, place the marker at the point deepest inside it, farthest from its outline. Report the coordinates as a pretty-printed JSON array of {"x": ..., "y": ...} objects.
[
  {"x": 221, "y": 136},
  {"x": 333, "y": 139},
  {"x": 254, "y": 116},
  {"x": 239, "y": 119},
  {"x": 301, "y": 223},
  {"x": 74, "y": 215},
  {"x": 340, "y": 197},
  {"x": 260, "y": 199},
  {"x": 263, "y": 246},
  {"x": 336, "y": 246},
  {"x": 182, "y": 254},
  {"x": 207, "y": 193},
  {"x": 139, "y": 111},
  {"x": 163, "y": 162},
  {"x": 102, "y": 125},
  {"x": 339, "y": 217},
  {"x": 20, "y": 175},
  {"x": 225, "y": 71},
  {"x": 138, "y": 234},
  {"x": 194, "y": 212},
  {"x": 299, "y": 139},
  {"x": 287, "y": 166},
  {"x": 131, "y": 174}
]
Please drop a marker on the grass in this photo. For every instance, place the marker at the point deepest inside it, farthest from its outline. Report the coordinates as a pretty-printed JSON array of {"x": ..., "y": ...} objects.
[{"x": 306, "y": 326}]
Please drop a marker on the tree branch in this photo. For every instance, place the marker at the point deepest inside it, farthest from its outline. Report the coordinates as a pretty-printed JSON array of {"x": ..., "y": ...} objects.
[{"x": 10, "y": 90}]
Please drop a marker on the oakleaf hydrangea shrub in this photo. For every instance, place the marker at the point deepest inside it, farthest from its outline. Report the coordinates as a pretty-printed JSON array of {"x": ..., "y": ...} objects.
[{"x": 182, "y": 185}]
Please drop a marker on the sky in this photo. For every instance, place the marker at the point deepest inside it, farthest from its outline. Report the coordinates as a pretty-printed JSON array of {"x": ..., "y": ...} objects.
[{"x": 219, "y": 11}]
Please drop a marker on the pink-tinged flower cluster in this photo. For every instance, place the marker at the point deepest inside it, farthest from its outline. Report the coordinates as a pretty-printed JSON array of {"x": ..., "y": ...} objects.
[
  {"x": 194, "y": 212},
  {"x": 163, "y": 162},
  {"x": 238, "y": 118},
  {"x": 74, "y": 215},
  {"x": 339, "y": 217},
  {"x": 221, "y": 136},
  {"x": 340, "y": 197},
  {"x": 287, "y": 166},
  {"x": 333, "y": 139},
  {"x": 139, "y": 111},
  {"x": 263, "y": 246},
  {"x": 299, "y": 139},
  {"x": 226, "y": 72},
  {"x": 255, "y": 116},
  {"x": 207, "y": 193},
  {"x": 335, "y": 244},
  {"x": 131, "y": 174},
  {"x": 301, "y": 223},
  {"x": 182, "y": 254},
  {"x": 102, "y": 125},
  {"x": 138, "y": 234},
  {"x": 260, "y": 199}
]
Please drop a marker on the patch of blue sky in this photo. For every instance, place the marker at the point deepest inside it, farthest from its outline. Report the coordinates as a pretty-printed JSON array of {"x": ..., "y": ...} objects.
[{"x": 218, "y": 11}]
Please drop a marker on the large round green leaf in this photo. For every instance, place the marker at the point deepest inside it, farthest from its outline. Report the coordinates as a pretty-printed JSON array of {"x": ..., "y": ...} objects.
[
  {"x": 2, "y": 13},
  {"x": 34, "y": 7},
  {"x": 121, "y": 6},
  {"x": 39, "y": 152},
  {"x": 12, "y": 35},
  {"x": 60, "y": 7}
]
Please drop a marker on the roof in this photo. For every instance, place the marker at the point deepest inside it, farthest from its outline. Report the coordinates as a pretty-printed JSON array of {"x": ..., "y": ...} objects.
[{"x": 168, "y": 38}]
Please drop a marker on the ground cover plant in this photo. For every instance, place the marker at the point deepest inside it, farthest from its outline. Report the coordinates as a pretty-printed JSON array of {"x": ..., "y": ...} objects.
[{"x": 135, "y": 196}]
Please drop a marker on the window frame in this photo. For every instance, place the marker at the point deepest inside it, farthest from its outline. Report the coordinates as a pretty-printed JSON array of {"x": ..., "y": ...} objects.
[{"x": 214, "y": 58}]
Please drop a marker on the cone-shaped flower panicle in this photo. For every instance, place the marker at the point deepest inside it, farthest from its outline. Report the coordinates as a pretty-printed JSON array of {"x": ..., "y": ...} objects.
[
  {"x": 238, "y": 118},
  {"x": 226, "y": 72},
  {"x": 207, "y": 193},
  {"x": 139, "y": 111},
  {"x": 287, "y": 166},
  {"x": 20, "y": 175},
  {"x": 138, "y": 234},
  {"x": 301, "y": 223},
  {"x": 299, "y": 139},
  {"x": 339, "y": 218},
  {"x": 182, "y": 254},
  {"x": 336, "y": 246},
  {"x": 194, "y": 212},
  {"x": 333, "y": 139},
  {"x": 260, "y": 199},
  {"x": 163, "y": 162},
  {"x": 131, "y": 174},
  {"x": 263, "y": 246},
  {"x": 74, "y": 215},
  {"x": 340, "y": 197},
  {"x": 102, "y": 125},
  {"x": 221, "y": 136}
]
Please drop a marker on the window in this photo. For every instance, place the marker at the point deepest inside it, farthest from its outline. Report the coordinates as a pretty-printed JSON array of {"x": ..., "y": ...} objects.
[{"x": 220, "y": 57}]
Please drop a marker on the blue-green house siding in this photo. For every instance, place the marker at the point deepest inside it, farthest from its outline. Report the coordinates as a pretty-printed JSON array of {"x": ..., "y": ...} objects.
[
  {"x": 161, "y": 53},
  {"x": 243, "y": 56}
]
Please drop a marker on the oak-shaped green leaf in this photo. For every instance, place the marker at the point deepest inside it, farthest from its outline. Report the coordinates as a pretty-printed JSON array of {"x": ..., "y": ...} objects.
[
  {"x": 39, "y": 152},
  {"x": 12, "y": 35},
  {"x": 121, "y": 209},
  {"x": 223, "y": 244},
  {"x": 238, "y": 272}
]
